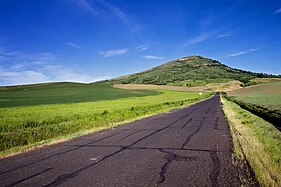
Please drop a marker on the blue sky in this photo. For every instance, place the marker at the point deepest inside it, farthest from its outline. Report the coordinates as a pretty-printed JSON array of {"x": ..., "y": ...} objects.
[{"x": 90, "y": 40}]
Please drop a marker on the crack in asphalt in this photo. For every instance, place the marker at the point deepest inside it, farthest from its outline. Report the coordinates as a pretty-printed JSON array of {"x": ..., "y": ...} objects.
[
  {"x": 190, "y": 136},
  {"x": 152, "y": 148},
  {"x": 208, "y": 111},
  {"x": 187, "y": 123},
  {"x": 170, "y": 158},
  {"x": 30, "y": 177},
  {"x": 132, "y": 134},
  {"x": 216, "y": 123},
  {"x": 164, "y": 168},
  {"x": 216, "y": 168}
]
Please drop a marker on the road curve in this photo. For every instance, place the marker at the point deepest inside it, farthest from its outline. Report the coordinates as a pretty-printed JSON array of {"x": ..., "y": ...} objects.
[{"x": 187, "y": 147}]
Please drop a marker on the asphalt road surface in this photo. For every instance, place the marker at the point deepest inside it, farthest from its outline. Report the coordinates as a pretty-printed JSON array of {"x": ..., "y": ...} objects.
[{"x": 187, "y": 147}]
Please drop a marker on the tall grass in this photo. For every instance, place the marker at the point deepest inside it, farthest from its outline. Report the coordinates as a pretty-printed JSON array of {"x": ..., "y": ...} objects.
[
  {"x": 257, "y": 140},
  {"x": 30, "y": 124}
]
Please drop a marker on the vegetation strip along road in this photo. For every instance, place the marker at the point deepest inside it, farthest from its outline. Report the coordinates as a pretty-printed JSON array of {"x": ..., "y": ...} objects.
[{"x": 256, "y": 141}]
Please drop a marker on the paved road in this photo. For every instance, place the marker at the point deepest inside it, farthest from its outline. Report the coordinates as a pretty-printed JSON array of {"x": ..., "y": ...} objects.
[{"x": 187, "y": 147}]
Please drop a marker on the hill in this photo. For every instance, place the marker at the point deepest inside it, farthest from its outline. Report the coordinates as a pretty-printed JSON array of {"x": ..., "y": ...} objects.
[{"x": 189, "y": 71}]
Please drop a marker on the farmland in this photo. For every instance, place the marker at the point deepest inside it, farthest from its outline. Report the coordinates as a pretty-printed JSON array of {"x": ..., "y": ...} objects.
[
  {"x": 65, "y": 92},
  {"x": 27, "y": 125},
  {"x": 266, "y": 94}
]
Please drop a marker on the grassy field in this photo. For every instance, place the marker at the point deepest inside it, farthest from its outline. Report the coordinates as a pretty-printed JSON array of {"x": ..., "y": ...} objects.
[
  {"x": 26, "y": 125},
  {"x": 266, "y": 94},
  {"x": 256, "y": 141},
  {"x": 54, "y": 93}
]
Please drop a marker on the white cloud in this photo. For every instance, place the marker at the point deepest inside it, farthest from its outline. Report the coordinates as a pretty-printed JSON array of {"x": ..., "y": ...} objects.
[
  {"x": 198, "y": 39},
  {"x": 59, "y": 72},
  {"x": 71, "y": 44},
  {"x": 224, "y": 35},
  {"x": 19, "y": 56},
  {"x": 29, "y": 68},
  {"x": 21, "y": 77},
  {"x": 153, "y": 57},
  {"x": 243, "y": 52},
  {"x": 278, "y": 11},
  {"x": 111, "y": 53},
  {"x": 142, "y": 48}
]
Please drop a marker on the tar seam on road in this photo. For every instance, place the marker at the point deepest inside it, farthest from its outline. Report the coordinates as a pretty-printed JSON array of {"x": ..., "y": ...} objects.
[
  {"x": 170, "y": 158},
  {"x": 30, "y": 177}
]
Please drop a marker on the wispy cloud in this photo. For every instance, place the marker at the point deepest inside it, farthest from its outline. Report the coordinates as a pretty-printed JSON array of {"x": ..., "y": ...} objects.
[
  {"x": 223, "y": 35},
  {"x": 142, "y": 48},
  {"x": 243, "y": 52},
  {"x": 111, "y": 53},
  {"x": 59, "y": 72},
  {"x": 198, "y": 39},
  {"x": 125, "y": 18},
  {"x": 153, "y": 57},
  {"x": 108, "y": 9},
  {"x": 14, "y": 56},
  {"x": 85, "y": 5},
  {"x": 278, "y": 11},
  {"x": 71, "y": 44}
]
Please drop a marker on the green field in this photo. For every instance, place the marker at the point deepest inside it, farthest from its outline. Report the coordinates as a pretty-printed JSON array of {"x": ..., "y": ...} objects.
[
  {"x": 26, "y": 125},
  {"x": 267, "y": 95},
  {"x": 54, "y": 93}
]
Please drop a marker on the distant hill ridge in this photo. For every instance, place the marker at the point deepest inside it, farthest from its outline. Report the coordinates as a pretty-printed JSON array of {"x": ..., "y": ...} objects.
[{"x": 189, "y": 71}]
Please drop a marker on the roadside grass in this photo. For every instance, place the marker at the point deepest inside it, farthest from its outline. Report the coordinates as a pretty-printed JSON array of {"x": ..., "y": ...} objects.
[
  {"x": 29, "y": 125},
  {"x": 63, "y": 92},
  {"x": 257, "y": 141}
]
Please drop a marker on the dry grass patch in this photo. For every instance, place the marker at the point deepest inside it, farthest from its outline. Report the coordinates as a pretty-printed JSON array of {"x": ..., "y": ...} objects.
[{"x": 214, "y": 87}]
